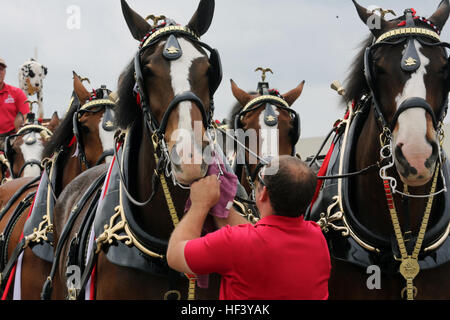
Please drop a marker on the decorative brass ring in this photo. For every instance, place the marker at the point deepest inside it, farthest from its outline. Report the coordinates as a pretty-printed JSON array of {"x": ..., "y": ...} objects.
[{"x": 168, "y": 293}]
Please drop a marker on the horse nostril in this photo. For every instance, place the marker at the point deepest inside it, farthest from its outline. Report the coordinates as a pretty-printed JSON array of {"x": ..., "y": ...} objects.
[{"x": 400, "y": 145}]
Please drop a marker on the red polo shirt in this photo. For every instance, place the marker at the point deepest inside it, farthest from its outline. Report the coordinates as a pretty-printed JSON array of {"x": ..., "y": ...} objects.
[
  {"x": 279, "y": 258},
  {"x": 12, "y": 101}
]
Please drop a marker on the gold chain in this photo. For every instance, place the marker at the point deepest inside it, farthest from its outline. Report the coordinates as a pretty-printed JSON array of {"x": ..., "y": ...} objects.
[
  {"x": 173, "y": 215},
  {"x": 409, "y": 268}
]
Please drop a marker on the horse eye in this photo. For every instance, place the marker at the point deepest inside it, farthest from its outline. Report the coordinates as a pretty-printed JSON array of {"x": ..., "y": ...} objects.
[
  {"x": 85, "y": 129},
  {"x": 147, "y": 72}
]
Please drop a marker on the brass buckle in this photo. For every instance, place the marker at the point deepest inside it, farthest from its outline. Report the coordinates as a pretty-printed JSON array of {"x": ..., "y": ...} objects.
[{"x": 168, "y": 293}]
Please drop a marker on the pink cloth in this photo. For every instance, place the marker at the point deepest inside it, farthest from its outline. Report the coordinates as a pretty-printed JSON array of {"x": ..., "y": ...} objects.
[{"x": 228, "y": 189}]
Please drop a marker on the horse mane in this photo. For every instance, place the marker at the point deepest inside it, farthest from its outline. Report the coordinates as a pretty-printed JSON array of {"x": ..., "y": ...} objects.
[
  {"x": 235, "y": 111},
  {"x": 355, "y": 83},
  {"x": 127, "y": 109},
  {"x": 63, "y": 133}
]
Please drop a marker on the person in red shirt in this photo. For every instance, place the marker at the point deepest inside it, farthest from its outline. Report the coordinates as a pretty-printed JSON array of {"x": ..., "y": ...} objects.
[
  {"x": 282, "y": 257},
  {"x": 12, "y": 101}
]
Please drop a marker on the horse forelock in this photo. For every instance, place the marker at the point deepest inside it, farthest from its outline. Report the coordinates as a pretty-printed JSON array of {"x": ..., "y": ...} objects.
[
  {"x": 127, "y": 108},
  {"x": 356, "y": 84}
]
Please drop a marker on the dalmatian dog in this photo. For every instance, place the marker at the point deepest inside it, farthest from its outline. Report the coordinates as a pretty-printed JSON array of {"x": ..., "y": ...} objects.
[{"x": 31, "y": 81}]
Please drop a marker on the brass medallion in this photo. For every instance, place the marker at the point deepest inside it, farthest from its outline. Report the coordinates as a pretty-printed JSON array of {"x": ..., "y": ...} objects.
[
  {"x": 409, "y": 268},
  {"x": 410, "y": 62},
  {"x": 172, "y": 50}
]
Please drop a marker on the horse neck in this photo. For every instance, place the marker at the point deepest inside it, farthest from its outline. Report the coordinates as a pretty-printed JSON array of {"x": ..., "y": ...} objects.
[
  {"x": 371, "y": 204},
  {"x": 153, "y": 218},
  {"x": 71, "y": 167}
]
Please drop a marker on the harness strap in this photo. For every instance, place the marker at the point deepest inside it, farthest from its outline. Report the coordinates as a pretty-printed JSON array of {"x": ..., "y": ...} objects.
[
  {"x": 409, "y": 267},
  {"x": 17, "y": 195},
  {"x": 175, "y": 221},
  {"x": 12, "y": 262}
]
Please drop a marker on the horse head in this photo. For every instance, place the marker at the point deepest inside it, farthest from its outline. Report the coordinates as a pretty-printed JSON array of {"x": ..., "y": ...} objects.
[
  {"x": 407, "y": 71},
  {"x": 175, "y": 83},
  {"x": 268, "y": 116},
  {"x": 24, "y": 149},
  {"x": 94, "y": 123}
]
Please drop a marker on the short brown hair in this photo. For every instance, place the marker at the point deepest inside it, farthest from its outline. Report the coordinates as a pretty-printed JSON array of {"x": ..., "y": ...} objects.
[{"x": 292, "y": 187}]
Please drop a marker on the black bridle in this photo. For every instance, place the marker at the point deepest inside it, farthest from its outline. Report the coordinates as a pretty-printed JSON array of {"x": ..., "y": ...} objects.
[
  {"x": 9, "y": 152},
  {"x": 269, "y": 101},
  {"x": 410, "y": 63},
  {"x": 102, "y": 103},
  {"x": 156, "y": 130},
  {"x": 215, "y": 77}
]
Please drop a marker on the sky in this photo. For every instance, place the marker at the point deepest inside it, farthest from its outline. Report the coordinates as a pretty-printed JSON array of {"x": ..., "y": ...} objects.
[{"x": 315, "y": 41}]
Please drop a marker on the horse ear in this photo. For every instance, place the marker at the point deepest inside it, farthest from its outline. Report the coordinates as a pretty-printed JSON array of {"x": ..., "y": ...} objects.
[
  {"x": 202, "y": 18},
  {"x": 376, "y": 23},
  {"x": 294, "y": 94},
  {"x": 137, "y": 25},
  {"x": 440, "y": 17},
  {"x": 19, "y": 121},
  {"x": 54, "y": 122},
  {"x": 81, "y": 92},
  {"x": 241, "y": 96}
]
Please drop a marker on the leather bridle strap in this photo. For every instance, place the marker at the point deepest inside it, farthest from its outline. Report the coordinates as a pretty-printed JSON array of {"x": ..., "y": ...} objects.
[
  {"x": 182, "y": 97},
  {"x": 413, "y": 103},
  {"x": 31, "y": 162}
]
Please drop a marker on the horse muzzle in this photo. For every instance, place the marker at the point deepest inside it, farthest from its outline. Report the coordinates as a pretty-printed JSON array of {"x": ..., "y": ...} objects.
[
  {"x": 416, "y": 150},
  {"x": 187, "y": 162}
]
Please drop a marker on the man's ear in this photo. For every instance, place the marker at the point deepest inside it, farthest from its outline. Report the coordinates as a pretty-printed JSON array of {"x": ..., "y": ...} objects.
[{"x": 264, "y": 195}]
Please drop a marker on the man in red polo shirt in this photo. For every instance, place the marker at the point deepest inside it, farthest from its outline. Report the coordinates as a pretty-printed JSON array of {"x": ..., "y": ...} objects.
[
  {"x": 12, "y": 101},
  {"x": 282, "y": 257}
]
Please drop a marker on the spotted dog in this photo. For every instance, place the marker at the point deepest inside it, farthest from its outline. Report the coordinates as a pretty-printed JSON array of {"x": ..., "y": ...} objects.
[{"x": 31, "y": 81}]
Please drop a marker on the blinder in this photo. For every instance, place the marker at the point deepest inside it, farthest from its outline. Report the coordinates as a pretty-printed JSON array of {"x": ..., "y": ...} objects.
[
  {"x": 93, "y": 106},
  {"x": 172, "y": 51},
  {"x": 410, "y": 63},
  {"x": 271, "y": 102}
]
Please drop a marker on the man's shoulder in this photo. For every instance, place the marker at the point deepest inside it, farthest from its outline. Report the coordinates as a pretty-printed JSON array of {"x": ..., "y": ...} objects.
[
  {"x": 231, "y": 233},
  {"x": 16, "y": 90}
]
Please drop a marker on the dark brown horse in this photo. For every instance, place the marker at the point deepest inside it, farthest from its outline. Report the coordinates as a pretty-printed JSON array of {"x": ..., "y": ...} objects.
[
  {"x": 165, "y": 107},
  {"x": 388, "y": 229},
  {"x": 269, "y": 122},
  {"x": 77, "y": 145}
]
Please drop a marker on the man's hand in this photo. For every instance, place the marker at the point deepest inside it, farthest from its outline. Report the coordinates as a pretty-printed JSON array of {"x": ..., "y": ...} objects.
[{"x": 205, "y": 193}]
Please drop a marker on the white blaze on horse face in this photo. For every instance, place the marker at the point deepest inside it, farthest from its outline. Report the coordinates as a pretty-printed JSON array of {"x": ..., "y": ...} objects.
[
  {"x": 107, "y": 139},
  {"x": 184, "y": 136},
  {"x": 412, "y": 124},
  {"x": 32, "y": 152},
  {"x": 269, "y": 137}
]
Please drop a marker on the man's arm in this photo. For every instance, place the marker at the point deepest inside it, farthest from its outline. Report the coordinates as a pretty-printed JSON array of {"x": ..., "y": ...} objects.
[
  {"x": 204, "y": 195},
  {"x": 234, "y": 219}
]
